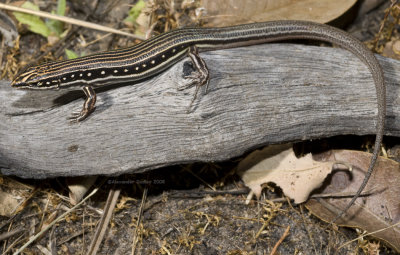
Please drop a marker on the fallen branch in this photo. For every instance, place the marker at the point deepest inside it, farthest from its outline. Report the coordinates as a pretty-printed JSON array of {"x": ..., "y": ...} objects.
[{"x": 265, "y": 94}]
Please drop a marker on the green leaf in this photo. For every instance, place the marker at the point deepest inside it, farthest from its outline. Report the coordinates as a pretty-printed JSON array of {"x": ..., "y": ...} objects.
[
  {"x": 34, "y": 23},
  {"x": 31, "y": 6},
  {"x": 135, "y": 11},
  {"x": 57, "y": 26},
  {"x": 61, "y": 6},
  {"x": 70, "y": 54}
]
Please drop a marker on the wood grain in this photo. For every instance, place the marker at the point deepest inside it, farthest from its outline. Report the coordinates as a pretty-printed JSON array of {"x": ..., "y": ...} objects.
[{"x": 265, "y": 94}]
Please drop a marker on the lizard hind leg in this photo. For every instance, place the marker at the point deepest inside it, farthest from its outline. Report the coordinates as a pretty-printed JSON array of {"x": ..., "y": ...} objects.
[{"x": 201, "y": 77}]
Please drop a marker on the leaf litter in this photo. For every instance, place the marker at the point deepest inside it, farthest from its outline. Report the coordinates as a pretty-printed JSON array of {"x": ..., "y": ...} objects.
[
  {"x": 297, "y": 177},
  {"x": 377, "y": 210}
]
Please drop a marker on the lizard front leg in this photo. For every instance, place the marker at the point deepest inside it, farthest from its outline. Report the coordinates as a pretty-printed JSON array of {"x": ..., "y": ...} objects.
[{"x": 88, "y": 105}]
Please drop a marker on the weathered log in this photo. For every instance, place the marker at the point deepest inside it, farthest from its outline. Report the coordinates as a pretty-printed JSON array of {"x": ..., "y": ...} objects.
[{"x": 265, "y": 94}]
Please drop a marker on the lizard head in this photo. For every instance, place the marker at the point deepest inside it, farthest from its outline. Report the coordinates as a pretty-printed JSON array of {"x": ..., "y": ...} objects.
[{"x": 35, "y": 78}]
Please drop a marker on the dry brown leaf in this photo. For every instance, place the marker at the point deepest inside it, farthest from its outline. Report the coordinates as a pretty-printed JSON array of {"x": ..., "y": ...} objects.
[
  {"x": 78, "y": 187},
  {"x": 8, "y": 203},
  {"x": 232, "y": 12},
  {"x": 297, "y": 177},
  {"x": 13, "y": 195},
  {"x": 379, "y": 210}
]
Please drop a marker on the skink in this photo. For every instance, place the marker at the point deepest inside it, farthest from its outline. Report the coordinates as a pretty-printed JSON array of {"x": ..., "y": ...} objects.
[{"x": 158, "y": 53}]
